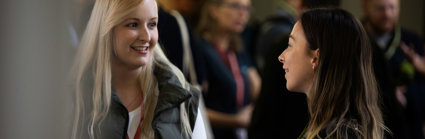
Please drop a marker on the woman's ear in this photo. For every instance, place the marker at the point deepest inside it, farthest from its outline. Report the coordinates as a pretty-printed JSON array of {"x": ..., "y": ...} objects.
[{"x": 315, "y": 59}]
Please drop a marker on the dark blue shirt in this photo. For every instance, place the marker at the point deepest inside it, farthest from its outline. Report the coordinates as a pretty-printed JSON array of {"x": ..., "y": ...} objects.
[{"x": 221, "y": 93}]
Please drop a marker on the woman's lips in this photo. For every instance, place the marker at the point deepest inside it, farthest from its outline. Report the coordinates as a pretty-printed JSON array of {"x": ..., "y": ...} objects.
[{"x": 140, "y": 49}]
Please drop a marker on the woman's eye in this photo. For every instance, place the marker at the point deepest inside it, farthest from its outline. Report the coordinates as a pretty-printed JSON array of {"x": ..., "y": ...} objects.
[
  {"x": 152, "y": 25},
  {"x": 132, "y": 25}
]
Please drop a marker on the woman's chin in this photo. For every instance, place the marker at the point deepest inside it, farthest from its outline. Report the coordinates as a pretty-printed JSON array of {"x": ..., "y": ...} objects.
[{"x": 140, "y": 63}]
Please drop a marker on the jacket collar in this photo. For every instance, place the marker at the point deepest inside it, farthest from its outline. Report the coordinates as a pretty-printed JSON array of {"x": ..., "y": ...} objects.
[{"x": 171, "y": 92}]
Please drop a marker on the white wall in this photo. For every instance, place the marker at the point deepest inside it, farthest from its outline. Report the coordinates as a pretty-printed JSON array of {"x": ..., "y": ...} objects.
[{"x": 35, "y": 56}]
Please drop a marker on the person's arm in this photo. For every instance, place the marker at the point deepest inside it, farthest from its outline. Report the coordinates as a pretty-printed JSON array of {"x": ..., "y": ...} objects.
[
  {"x": 417, "y": 60},
  {"x": 255, "y": 83},
  {"x": 241, "y": 119}
]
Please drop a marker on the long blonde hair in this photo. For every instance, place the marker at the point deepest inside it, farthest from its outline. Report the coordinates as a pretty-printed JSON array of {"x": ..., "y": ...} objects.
[
  {"x": 92, "y": 72},
  {"x": 344, "y": 95}
]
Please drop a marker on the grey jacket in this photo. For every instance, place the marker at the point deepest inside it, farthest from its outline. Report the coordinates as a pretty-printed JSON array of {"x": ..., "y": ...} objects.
[{"x": 166, "y": 123}]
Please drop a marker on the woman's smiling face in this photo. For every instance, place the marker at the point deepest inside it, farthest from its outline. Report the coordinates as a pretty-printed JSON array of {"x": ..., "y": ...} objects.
[
  {"x": 297, "y": 61},
  {"x": 136, "y": 36}
]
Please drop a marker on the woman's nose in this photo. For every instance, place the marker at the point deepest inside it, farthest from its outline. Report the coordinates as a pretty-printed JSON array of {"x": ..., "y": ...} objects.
[
  {"x": 144, "y": 35},
  {"x": 281, "y": 57}
]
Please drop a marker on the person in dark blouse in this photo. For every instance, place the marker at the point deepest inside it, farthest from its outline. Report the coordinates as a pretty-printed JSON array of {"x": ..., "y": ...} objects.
[{"x": 231, "y": 82}]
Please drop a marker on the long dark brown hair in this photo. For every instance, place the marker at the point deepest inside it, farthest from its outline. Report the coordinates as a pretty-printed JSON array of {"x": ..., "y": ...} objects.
[{"x": 344, "y": 94}]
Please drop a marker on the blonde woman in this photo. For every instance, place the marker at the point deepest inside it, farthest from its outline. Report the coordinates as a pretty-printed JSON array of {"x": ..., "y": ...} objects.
[
  {"x": 125, "y": 86},
  {"x": 330, "y": 60}
]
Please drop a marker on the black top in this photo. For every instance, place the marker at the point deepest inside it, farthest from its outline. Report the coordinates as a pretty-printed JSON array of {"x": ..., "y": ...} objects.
[
  {"x": 170, "y": 38},
  {"x": 403, "y": 123},
  {"x": 349, "y": 129},
  {"x": 221, "y": 93}
]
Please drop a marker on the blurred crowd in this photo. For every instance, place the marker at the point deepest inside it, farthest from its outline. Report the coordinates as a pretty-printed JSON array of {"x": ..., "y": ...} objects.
[{"x": 232, "y": 59}]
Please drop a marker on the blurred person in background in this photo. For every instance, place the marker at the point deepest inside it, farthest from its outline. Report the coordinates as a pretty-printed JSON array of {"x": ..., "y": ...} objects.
[
  {"x": 281, "y": 23},
  {"x": 417, "y": 60},
  {"x": 190, "y": 9},
  {"x": 125, "y": 86},
  {"x": 395, "y": 73},
  {"x": 231, "y": 82},
  {"x": 176, "y": 36}
]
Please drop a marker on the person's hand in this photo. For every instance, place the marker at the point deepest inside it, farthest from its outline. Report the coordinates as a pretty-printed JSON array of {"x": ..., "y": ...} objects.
[
  {"x": 399, "y": 93},
  {"x": 243, "y": 118},
  {"x": 417, "y": 60}
]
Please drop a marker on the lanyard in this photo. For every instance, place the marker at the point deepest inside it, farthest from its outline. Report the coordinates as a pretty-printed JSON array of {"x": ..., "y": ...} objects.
[
  {"x": 139, "y": 130},
  {"x": 395, "y": 43},
  {"x": 230, "y": 60}
]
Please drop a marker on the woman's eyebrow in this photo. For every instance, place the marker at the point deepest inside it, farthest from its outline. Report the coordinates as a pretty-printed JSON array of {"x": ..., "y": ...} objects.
[{"x": 291, "y": 37}]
